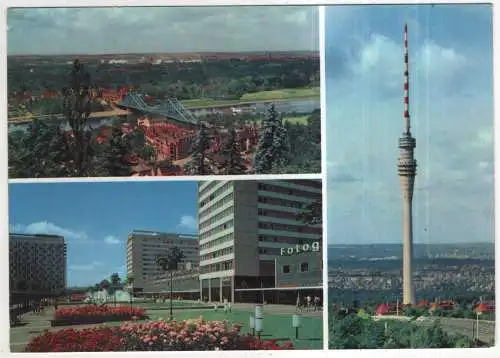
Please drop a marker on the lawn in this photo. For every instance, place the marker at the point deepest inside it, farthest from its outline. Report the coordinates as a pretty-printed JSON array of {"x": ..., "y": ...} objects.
[
  {"x": 263, "y": 96},
  {"x": 275, "y": 326},
  {"x": 296, "y": 120},
  {"x": 292, "y": 93}
]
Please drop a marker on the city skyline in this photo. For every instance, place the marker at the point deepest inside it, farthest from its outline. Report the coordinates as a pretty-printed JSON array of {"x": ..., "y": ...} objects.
[
  {"x": 450, "y": 84},
  {"x": 96, "y": 237},
  {"x": 39, "y": 31}
]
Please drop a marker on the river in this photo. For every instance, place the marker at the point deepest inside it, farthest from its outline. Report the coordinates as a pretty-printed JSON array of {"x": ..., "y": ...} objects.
[{"x": 299, "y": 106}]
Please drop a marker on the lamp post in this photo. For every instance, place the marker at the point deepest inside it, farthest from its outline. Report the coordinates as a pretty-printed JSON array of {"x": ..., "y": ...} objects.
[
  {"x": 296, "y": 324},
  {"x": 477, "y": 324},
  {"x": 259, "y": 320},
  {"x": 252, "y": 325},
  {"x": 171, "y": 296}
]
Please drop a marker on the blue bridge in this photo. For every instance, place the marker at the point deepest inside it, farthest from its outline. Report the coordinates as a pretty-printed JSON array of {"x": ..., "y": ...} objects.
[{"x": 170, "y": 108}]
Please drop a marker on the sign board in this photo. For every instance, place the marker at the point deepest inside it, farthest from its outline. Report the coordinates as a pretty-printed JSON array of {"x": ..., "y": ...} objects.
[{"x": 297, "y": 249}]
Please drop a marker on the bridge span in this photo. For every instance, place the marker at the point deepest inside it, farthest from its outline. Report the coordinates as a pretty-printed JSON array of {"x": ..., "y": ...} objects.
[{"x": 133, "y": 102}]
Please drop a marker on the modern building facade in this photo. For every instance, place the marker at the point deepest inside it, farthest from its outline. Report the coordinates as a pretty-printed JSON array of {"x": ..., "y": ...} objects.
[
  {"x": 303, "y": 269},
  {"x": 185, "y": 284},
  {"x": 243, "y": 228},
  {"x": 143, "y": 247},
  {"x": 37, "y": 263}
]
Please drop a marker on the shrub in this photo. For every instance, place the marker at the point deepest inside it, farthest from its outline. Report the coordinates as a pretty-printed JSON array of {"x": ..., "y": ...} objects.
[
  {"x": 189, "y": 335},
  {"x": 75, "y": 313}
]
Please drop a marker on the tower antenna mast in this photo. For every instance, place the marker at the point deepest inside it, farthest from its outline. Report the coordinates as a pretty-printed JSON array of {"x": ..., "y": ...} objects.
[{"x": 407, "y": 170}]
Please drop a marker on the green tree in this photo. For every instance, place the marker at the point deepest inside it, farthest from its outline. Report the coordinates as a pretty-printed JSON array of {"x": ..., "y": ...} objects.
[
  {"x": 38, "y": 152},
  {"x": 115, "y": 155},
  {"x": 232, "y": 163},
  {"x": 199, "y": 163},
  {"x": 273, "y": 149},
  {"x": 170, "y": 263},
  {"x": 76, "y": 111},
  {"x": 312, "y": 213},
  {"x": 105, "y": 285},
  {"x": 115, "y": 282}
]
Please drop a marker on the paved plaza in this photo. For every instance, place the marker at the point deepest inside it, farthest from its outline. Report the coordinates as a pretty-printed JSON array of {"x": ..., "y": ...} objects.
[{"x": 277, "y": 323}]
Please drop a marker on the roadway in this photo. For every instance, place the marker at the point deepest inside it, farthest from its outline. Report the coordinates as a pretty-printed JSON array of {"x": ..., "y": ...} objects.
[
  {"x": 120, "y": 112},
  {"x": 463, "y": 326},
  {"x": 94, "y": 115}
]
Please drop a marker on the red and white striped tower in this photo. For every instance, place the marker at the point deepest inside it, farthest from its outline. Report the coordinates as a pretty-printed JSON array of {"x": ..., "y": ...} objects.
[
  {"x": 407, "y": 170},
  {"x": 407, "y": 82}
]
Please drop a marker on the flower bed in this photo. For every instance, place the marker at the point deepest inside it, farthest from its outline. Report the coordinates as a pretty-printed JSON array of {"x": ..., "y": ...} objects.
[
  {"x": 191, "y": 335},
  {"x": 90, "y": 314}
]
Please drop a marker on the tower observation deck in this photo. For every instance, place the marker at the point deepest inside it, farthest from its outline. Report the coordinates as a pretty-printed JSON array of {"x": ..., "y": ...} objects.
[{"x": 407, "y": 170}]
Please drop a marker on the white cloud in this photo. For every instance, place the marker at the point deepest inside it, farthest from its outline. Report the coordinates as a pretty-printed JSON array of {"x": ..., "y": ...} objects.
[
  {"x": 167, "y": 29},
  {"x": 439, "y": 63},
  {"x": 45, "y": 227},
  {"x": 380, "y": 64},
  {"x": 188, "y": 222},
  {"x": 112, "y": 240},
  {"x": 92, "y": 266},
  {"x": 483, "y": 138}
]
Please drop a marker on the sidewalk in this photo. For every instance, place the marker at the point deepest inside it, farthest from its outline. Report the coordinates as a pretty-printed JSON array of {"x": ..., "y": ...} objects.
[{"x": 31, "y": 326}]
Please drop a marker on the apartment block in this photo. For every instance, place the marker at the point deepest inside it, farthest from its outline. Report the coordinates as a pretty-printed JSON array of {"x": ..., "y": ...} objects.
[
  {"x": 143, "y": 247},
  {"x": 37, "y": 263},
  {"x": 243, "y": 228}
]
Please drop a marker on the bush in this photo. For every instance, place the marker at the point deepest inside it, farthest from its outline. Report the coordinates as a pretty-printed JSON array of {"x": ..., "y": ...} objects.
[
  {"x": 190, "y": 335},
  {"x": 353, "y": 332},
  {"x": 90, "y": 311}
]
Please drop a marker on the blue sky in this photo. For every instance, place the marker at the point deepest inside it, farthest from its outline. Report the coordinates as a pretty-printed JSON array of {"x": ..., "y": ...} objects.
[
  {"x": 95, "y": 218},
  {"x": 161, "y": 29},
  {"x": 451, "y": 107}
]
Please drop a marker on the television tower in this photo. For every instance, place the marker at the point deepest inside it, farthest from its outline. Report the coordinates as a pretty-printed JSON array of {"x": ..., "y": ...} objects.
[{"x": 407, "y": 169}]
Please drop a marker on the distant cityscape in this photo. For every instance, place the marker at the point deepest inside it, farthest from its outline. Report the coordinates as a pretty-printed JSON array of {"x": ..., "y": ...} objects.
[{"x": 440, "y": 269}]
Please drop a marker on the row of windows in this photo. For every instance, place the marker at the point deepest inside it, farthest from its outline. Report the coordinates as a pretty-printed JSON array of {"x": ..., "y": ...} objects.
[
  {"x": 218, "y": 217},
  {"x": 170, "y": 243},
  {"x": 220, "y": 266},
  {"x": 292, "y": 228},
  {"x": 219, "y": 241},
  {"x": 269, "y": 251},
  {"x": 304, "y": 267},
  {"x": 309, "y": 183},
  {"x": 186, "y": 252},
  {"x": 208, "y": 187},
  {"x": 281, "y": 202},
  {"x": 219, "y": 228},
  {"x": 289, "y": 191},
  {"x": 216, "y": 193},
  {"x": 283, "y": 239},
  {"x": 218, "y": 253},
  {"x": 277, "y": 214},
  {"x": 215, "y": 206}
]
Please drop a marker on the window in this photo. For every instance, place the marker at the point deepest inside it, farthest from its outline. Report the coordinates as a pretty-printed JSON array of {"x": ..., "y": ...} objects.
[
  {"x": 304, "y": 267},
  {"x": 286, "y": 268}
]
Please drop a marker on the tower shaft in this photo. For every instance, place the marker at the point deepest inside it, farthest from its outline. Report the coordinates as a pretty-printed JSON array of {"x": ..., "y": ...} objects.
[{"x": 407, "y": 170}]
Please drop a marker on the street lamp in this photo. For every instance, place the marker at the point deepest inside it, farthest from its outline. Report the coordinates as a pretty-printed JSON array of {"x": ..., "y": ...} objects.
[
  {"x": 252, "y": 325},
  {"x": 477, "y": 324},
  {"x": 259, "y": 320},
  {"x": 171, "y": 295},
  {"x": 296, "y": 324}
]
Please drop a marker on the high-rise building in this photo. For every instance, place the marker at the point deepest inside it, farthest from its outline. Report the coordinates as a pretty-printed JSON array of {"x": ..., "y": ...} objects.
[
  {"x": 143, "y": 248},
  {"x": 37, "y": 263},
  {"x": 407, "y": 170},
  {"x": 243, "y": 227}
]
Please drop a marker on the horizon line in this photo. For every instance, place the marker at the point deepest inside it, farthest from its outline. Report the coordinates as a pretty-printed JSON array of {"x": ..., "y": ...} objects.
[
  {"x": 417, "y": 243},
  {"x": 159, "y": 52}
]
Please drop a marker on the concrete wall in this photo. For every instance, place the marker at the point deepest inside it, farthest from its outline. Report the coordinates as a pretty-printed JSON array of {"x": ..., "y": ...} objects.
[
  {"x": 246, "y": 226},
  {"x": 296, "y": 278}
]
